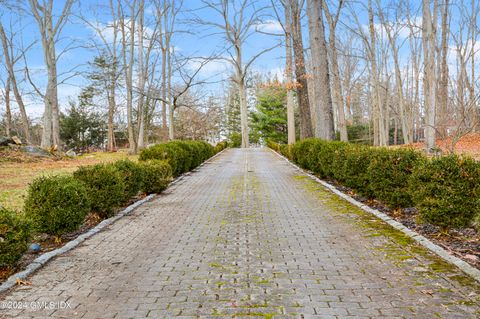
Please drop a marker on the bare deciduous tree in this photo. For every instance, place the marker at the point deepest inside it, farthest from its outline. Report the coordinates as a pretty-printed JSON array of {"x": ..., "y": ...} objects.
[
  {"x": 295, "y": 9},
  {"x": 286, "y": 24},
  {"x": 167, "y": 12},
  {"x": 429, "y": 48},
  {"x": 8, "y": 110},
  {"x": 10, "y": 61},
  {"x": 392, "y": 32},
  {"x": 109, "y": 46},
  {"x": 238, "y": 22},
  {"x": 321, "y": 73},
  {"x": 128, "y": 56},
  {"x": 338, "y": 99},
  {"x": 49, "y": 34}
]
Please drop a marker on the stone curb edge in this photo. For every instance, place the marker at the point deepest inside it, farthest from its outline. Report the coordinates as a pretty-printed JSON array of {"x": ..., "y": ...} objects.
[
  {"x": 439, "y": 251},
  {"x": 41, "y": 260}
]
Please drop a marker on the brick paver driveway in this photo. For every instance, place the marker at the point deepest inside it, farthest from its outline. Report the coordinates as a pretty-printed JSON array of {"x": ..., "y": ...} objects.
[{"x": 247, "y": 235}]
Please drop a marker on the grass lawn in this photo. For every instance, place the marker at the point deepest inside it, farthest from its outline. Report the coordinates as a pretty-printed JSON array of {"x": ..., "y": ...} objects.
[{"x": 16, "y": 176}]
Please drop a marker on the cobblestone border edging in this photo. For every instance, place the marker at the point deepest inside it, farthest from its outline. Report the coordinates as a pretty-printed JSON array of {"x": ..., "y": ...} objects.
[
  {"x": 442, "y": 253},
  {"x": 44, "y": 258}
]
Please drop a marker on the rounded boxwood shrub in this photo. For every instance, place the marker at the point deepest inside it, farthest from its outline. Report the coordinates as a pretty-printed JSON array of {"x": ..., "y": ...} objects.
[
  {"x": 105, "y": 187},
  {"x": 320, "y": 156},
  {"x": 285, "y": 150},
  {"x": 132, "y": 177},
  {"x": 56, "y": 204},
  {"x": 301, "y": 152},
  {"x": 157, "y": 174},
  {"x": 353, "y": 172},
  {"x": 192, "y": 154},
  {"x": 220, "y": 147},
  {"x": 174, "y": 154},
  {"x": 14, "y": 237},
  {"x": 446, "y": 191},
  {"x": 209, "y": 150},
  {"x": 389, "y": 172},
  {"x": 182, "y": 156}
]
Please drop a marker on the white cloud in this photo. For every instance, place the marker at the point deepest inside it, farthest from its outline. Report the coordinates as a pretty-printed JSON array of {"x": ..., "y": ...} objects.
[
  {"x": 270, "y": 26},
  {"x": 214, "y": 67}
]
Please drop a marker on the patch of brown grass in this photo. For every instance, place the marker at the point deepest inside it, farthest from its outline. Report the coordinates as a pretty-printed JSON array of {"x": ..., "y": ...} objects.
[{"x": 17, "y": 171}]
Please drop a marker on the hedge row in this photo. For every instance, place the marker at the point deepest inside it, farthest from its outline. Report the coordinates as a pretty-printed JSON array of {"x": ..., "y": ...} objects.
[
  {"x": 445, "y": 190},
  {"x": 183, "y": 156},
  {"x": 59, "y": 204}
]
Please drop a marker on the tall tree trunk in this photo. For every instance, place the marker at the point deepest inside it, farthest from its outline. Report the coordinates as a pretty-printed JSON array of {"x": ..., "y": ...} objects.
[
  {"x": 47, "y": 133},
  {"x": 12, "y": 80},
  {"x": 8, "y": 112},
  {"x": 171, "y": 132},
  {"x": 442, "y": 115},
  {"x": 243, "y": 113},
  {"x": 378, "y": 118},
  {"x": 49, "y": 34},
  {"x": 289, "y": 78},
  {"x": 53, "y": 80},
  {"x": 337, "y": 86},
  {"x": 407, "y": 137},
  {"x": 428, "y": 41},
  {"x": 164, "y": 89},
  {"x": 242, "y": 91},
  {"x": 112, "y": 81},
  {"x": 415, "y": 95},
  {"x": 163, "y": 29},
  {"x": 110, "y": 127},
  {"x": 141, "y": 80},
  {"x": 129, "y": 74},
  {"x": 473, "y": 99},
  {"x": 306, "y": 130},
  {"x": 171, "y": 106},
  {"x": 51, "y": 132},
  {"x": 321, "y": 75}
]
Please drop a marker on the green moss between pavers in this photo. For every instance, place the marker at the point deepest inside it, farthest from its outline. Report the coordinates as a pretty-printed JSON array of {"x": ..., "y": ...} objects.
[{"x": 402, "y": 248}]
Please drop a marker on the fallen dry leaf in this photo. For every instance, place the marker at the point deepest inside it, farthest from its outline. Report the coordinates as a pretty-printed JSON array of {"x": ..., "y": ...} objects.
[{"x": 21, "y": 282}]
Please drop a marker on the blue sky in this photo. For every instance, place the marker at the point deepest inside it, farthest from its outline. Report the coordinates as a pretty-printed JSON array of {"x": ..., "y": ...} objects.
[
  {"x": 197, "y": 41},
  {"x": 77, "y": 36}
]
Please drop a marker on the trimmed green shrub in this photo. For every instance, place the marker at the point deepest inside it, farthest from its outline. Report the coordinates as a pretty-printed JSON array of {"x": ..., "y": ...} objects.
[
  {"x": 446, "y": 191},
  {"x": 166, "y": 151},
  {"x": 318, "y": 156},
  {"x": 220, "y": 146},
  {"x": 388, "y": 175},
  {"x": 105, "y": 187},
  {"x": 14, "y": 234},
  {"x": 209, "y": 150},
  {"x": 132, "y": 177},
  {"x": 56, "y": 204},
  {"x": 182, "y": 156},
  {"x": 157, "y": 174},
  {"x": 273, "y": 145},
  {"x": 192, "y": 154},
  {"x": 285, "y": 150},
  {"x": 301, "y": 152},
  {"x": 353, "y": 170}
]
